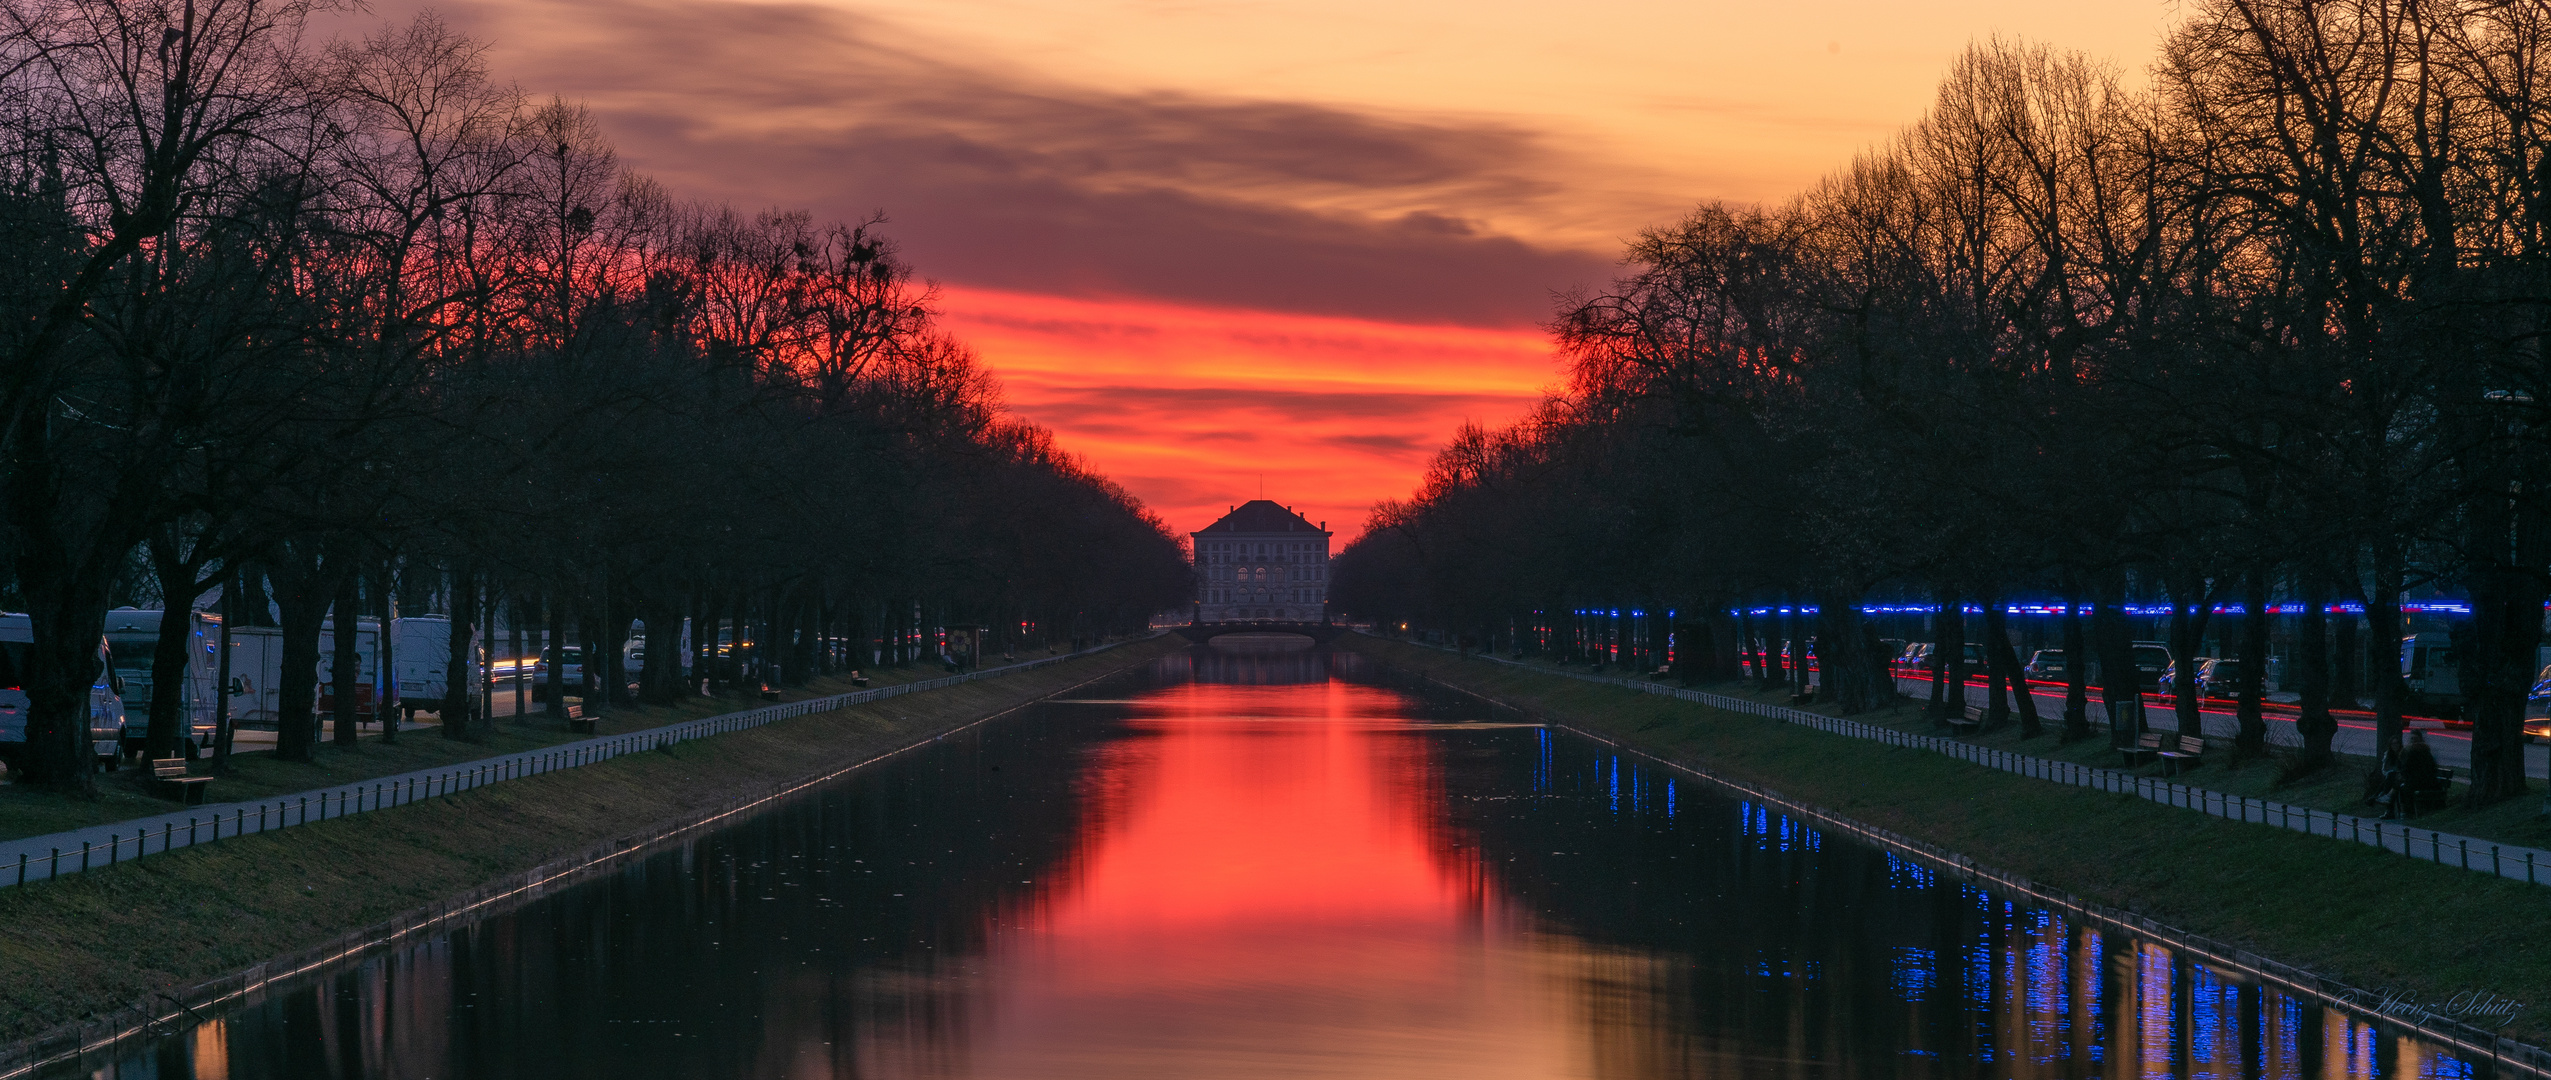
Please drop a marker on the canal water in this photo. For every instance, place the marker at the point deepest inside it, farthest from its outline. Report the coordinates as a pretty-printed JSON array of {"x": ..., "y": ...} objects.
[{"x": 1271, "y": 862}]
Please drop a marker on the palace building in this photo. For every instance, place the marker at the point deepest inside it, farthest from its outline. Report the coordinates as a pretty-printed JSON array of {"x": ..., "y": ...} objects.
[{"x": 1262, "y": 561}]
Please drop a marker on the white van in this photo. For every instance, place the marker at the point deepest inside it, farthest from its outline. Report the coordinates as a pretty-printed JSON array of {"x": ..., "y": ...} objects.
[
  {"x": 2434, "y": 675},
  {"x": 256, "y": 672},
  {"x": 133, "y": 634},
  {"x": 106, "y": 704},
  {"x": 634, "y": 653},
  {"x": 424, "y": 653}
]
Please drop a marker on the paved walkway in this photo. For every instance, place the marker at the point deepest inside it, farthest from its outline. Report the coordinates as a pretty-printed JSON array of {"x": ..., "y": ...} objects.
[
  {"x": 2355, "y": 736},
  {"x": 2427, "y": 845},
  {"x": 39, "y": 858}
]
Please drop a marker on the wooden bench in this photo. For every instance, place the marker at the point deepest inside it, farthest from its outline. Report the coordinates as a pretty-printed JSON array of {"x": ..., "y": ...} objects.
[
  {"x": 170, "y": 773},
  {"x": 2146, "y": 747},
  {"x": 2440, "y": 795},
  {"x": 2185, "y": 752},
  {"x": 1968, "y": 721}
]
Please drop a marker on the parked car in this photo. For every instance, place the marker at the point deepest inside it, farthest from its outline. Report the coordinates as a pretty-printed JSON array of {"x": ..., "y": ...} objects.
[
  {"x": 2152, "y": 659},
  {"x": 2048, "y": 665},
  {"x": 105, "y": 702},
  {"x": 2219, "y": 678},
  {"x": 2168, "y": 683},
  {"x": 572, "y": 671}
]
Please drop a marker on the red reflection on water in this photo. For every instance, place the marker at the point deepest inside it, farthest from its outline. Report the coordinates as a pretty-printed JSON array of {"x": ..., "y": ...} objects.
[
  {"x": 1263, "y": 890},
  {"x": 1239, "y": 808}
]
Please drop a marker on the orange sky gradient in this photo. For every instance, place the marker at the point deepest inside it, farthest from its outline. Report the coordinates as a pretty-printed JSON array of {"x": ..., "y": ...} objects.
[
  {"x": 1195, "y": 407},
  {"x": 1206, "y": 240}
]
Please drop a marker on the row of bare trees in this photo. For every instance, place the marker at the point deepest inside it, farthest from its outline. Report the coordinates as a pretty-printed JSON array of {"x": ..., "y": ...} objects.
[
  {"x": 333, "y": 322},
  {"x": 2267, "y": 328}
]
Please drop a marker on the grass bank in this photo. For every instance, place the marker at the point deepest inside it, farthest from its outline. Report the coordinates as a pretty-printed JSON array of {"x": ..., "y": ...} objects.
[
  {"x": 96, "y": 942},
  {"x": 126, "y": 793},
  {"x": 2365, "y": 917},
  {"x": 2338, "y": 789}
]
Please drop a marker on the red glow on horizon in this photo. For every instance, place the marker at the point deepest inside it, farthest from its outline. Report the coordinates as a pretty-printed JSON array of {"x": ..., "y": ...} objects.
[{"x": 1188, "y": 407}]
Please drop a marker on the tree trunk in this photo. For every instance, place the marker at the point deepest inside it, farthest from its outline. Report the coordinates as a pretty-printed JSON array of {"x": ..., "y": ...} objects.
[
  {"x": 1851, "y": 676},
  {"x": 255, "y": 599},
  {"x": 387, "y": 706},
  {"x": 661, "y": 682},
  {"x": 302, "y": 589},
  {"x": 802, "y": 632},
  {"x": 170, "y": 715},
  {"x": 824, "y": 635},
  {"x": 1689, "y": 647},
  {"x": 703, "y": 638},
  {"x": 2121, "y": 687},
  {"x": 2383, "y": 622},
  {"x": 457, "y": 691},
  {"x": 230, "y": 587},
  {"x": 348, "y": 664},
  {"x": 1950, "y": 701},
  {"x": 2191, "y": 606},
  {"x": 589, "y": 686},
  {"x": 2507, "y": 594},
  {"x": 1997, "y": 681},
  {"x": 2001, "y": 655},
  {"x": 855, "y": 635},
  {"x": 1775, "y": 651},
  {"x": 2252, "y": 738},
  {"x": 554, "y": 680},
  {"x": 2076, "y": 671},
  {"x": 2347, "y": 667},
  {"x": 2312, "y": 676},
  {"x": 1936, "y": 667},
  {"x": 67, "y": 615}
]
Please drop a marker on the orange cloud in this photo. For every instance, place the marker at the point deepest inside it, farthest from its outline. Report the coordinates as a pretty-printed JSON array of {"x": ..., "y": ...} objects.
[{"x": 1189, "y": 407}]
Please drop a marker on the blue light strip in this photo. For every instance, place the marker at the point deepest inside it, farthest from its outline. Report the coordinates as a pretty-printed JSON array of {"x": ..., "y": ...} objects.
[{"x": 2428, "y": 607}]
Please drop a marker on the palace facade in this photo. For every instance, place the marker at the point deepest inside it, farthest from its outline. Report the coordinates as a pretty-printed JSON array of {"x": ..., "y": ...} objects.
[{"x": 1262, "y": 561}]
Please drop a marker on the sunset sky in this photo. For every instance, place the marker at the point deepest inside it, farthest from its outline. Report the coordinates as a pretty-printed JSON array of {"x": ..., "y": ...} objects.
[{"x": 1212, "y": 242}]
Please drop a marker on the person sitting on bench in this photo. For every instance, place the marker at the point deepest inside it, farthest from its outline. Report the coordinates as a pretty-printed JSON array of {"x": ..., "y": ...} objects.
[{"x": 2415, "y": 777}]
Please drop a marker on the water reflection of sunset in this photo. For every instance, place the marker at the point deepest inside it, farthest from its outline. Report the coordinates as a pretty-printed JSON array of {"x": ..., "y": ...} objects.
[{"x": 1265, "y": 853}]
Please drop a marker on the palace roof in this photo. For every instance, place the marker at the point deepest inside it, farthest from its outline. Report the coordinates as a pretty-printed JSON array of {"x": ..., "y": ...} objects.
[{"x": 1262, "y": 516}]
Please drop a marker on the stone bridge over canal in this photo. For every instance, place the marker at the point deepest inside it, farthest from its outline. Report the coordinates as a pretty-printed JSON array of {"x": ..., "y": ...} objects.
[{"x": 1202, "y": 632}]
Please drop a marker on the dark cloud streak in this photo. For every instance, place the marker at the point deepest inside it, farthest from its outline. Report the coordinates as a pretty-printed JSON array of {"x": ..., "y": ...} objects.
[{"x": 1006, "y": 182}]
